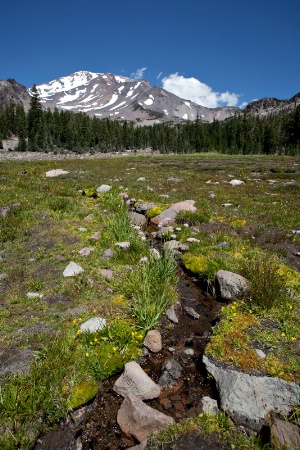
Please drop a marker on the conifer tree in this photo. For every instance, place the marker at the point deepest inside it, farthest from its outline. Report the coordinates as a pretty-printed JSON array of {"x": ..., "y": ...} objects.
[{"x": 35, "y": 122}]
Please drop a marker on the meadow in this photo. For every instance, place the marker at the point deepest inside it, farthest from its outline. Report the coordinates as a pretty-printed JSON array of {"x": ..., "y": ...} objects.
[{"x": 46, "y": 362}]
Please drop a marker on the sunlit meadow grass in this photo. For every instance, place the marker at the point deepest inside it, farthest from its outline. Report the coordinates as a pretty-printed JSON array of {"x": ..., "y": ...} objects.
[{"x": 47, "y": 227}]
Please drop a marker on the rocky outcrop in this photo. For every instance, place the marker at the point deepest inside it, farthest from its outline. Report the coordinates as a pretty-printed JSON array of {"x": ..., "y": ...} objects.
[{"x": 249, "y": 399}]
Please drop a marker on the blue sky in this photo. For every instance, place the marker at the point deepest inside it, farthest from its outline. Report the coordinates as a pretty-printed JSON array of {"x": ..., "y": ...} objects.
[{"x": 212, "y": 52}]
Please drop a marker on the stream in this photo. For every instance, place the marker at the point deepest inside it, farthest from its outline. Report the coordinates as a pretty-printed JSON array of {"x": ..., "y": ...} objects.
[{"x": 94, "y": 427}]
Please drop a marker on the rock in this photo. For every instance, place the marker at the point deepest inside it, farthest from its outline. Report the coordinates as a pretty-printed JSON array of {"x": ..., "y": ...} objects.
[
  {"x": 229, "y": 285},
  {"x": 191, "y": 239},
  {"x": 167, "y": 217},
  {"x": 236, "y": 182},
  {"x": 171, "y": 314},
  {"x": 284, "y": 435},
  {"x": 135, "y": 381},
  {"x": 154, "y": 253},
  {"x": 172, "y": 245},
  {"x": 162, "y": 231},
  {"x": 93, "y": 325},
  {"x": 107, "y": 273},
  {"x": 141, "y": 179},
  {"x": 248, "y": 398},
  {"x": 174, "y": 179},
  {"x": 34, "y": 295},
  {"x": 141, "y": 446},
  {"x": 171, "y": 372},
  {"x": 123, "y": 245},
  {"x": 222, "y": 245},
  {"x": 3, "y": 276},
  {"x": 108, "y": 253},
  {"x": 208, "y": 406},
  {"x": 72, "y": 269},
  {"x": 153, "y": 341},
  {"x": 86, "y": 251},
  {"x": 260, "y": 353},
  {"x": 142, "y": 208},
  {"x": 16, "y": 361},
  {"x": 192, "y": 313},
  {"x": 103, "y": 188},
  {"x": 89, "y": 218},
  {"x": 56, "y": 172},
  {"x": 137, "y": 219},
  {"x": 139, "y": 420},
  {"x": 95, "y": 236}
]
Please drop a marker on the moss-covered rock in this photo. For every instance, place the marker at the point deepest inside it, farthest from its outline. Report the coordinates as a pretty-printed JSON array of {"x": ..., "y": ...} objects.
[
  {"x": 153, "y": 212},
  {"x": 90, "y": 192},
  {"x": 195, "y": 264},
  {"x": 83, "y": 393}
]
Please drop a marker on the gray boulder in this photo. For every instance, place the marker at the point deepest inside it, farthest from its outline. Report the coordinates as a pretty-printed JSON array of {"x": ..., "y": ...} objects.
[
  {"x": 142, "y": 208},
  {"x": 229, "y": 285},
  {"x": 137, "y": 219},
  {"x": 249, "y": 399},
  {"x": 135, "y": 381},
  {"x": 139, "y": 420}
]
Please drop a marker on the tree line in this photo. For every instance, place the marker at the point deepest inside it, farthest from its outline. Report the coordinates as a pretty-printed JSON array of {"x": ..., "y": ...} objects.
[{"x": 63, "y": 130}]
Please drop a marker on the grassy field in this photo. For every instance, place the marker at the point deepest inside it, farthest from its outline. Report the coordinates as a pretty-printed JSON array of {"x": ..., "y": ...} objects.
[{"x": 48, "y": 222}]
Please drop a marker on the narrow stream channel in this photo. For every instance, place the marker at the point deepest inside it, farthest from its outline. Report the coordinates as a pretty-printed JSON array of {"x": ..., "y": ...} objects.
[{"x": 185, "y": 342}]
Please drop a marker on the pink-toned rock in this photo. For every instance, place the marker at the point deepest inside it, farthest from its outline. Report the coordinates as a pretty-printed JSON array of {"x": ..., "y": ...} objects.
[
  {"x": 139, "y": 420},
  {"x": 153, "y": 341},
  {"x": 168, "y": 216},
  {"x": 107, "y": 273},
  {"x": 135, "y": 381}
]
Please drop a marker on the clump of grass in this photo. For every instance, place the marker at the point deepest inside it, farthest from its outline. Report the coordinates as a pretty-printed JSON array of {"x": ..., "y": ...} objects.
[
  {"x": 267, "y": 286},
  {"x": 217, "y": 429},
  {"x": 192, "y": 217},
  {"x": 151, "y": 289}
]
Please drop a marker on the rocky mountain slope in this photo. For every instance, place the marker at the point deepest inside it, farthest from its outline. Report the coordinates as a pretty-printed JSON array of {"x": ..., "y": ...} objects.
[
  {"x": 10, "y": 90},
  {"x": 106, "y": 95}
]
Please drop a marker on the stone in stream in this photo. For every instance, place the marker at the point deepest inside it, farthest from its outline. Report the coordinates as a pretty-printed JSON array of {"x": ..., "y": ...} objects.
[
  {"x": 139, "y": 420},
  {"x": 171, "y": 372},
  {"x": 134, "y": 380},
  {"x": 153, "y": 341}
]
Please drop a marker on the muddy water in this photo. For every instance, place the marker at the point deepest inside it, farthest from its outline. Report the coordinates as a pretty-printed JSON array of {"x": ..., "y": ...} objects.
[{"x": 95, "y": 426}]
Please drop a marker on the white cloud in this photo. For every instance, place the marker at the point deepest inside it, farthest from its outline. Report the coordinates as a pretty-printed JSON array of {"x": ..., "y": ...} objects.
[
  {"x": 138, "y": 74},
  {"x": 159, "y": 75},
  {"x": 198, "y": 92},
  {"x": 243, "y": 105}
]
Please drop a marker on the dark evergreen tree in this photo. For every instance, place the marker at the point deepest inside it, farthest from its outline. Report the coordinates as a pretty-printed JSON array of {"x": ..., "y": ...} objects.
[{"x": 35, "y": 122}]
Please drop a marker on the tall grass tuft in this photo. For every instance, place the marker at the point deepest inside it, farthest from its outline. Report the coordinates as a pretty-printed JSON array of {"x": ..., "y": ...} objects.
[
  {"x": 151, "y": 289},
  {"x": 267, "y": 286}
]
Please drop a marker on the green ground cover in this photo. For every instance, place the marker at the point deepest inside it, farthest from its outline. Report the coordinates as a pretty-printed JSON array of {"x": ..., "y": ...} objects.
[{"x": 258, "y": 220}]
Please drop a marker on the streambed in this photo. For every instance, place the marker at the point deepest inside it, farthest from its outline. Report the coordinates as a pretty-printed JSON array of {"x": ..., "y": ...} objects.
[{"x": 95, "y": 426}]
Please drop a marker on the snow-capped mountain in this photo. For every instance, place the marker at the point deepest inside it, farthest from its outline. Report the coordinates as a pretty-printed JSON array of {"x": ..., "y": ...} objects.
[{"x": 107, "y": 95}]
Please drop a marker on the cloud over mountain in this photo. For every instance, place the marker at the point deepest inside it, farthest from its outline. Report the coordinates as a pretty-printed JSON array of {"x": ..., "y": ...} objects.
[{"x": 198, "y": 92}]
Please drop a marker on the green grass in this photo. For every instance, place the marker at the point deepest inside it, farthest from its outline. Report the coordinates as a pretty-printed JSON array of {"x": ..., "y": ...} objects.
[{"x": 44, "y": 233}]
